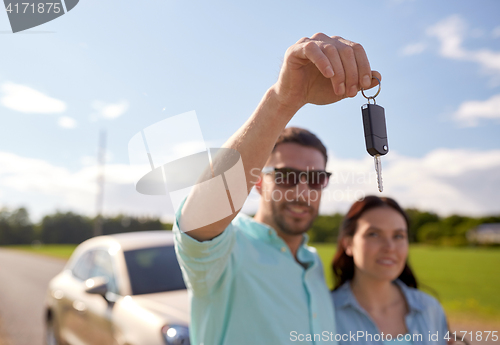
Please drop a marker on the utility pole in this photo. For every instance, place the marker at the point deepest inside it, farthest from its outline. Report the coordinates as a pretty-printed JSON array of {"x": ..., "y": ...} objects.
[{"x": 100, "y": 183}]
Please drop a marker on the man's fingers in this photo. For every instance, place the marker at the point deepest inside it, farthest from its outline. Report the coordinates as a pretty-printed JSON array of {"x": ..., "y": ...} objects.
[
  {"x": 364, "y": 70},
  {"x": 350, "y": 70},
  {"x": 313, "y": 52},
  {"x": 374, "y": 82},
  {"x": 338, "y": 80}
]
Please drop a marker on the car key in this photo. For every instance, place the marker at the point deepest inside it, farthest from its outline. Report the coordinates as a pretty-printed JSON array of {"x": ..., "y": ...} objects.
[{"x": 375, "y": 133}]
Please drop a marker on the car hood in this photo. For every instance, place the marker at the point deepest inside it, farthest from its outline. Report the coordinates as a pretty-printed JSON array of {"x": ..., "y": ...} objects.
[{"x": 172, "y": 304}]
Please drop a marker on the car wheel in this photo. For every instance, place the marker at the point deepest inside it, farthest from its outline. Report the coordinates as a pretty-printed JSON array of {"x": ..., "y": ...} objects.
[{"x": 50, "y": 334}]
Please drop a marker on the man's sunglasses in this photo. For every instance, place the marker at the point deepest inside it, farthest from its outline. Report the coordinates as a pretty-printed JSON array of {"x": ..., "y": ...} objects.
[{"x": 289, "y": 177}]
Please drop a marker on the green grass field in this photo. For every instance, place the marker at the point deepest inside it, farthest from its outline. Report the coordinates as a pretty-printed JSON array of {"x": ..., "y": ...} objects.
[{"x": 466, "y": 280}]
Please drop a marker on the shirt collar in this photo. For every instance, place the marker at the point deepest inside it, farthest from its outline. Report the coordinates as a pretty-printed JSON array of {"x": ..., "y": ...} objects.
[
  {"x": 269, "y": 235},
  {"x": 413, "y": 302},
  {"x": 347, "y": 298}
]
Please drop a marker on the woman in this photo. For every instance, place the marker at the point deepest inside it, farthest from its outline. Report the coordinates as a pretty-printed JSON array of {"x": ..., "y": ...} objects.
[{"x": 375, "y": 289}]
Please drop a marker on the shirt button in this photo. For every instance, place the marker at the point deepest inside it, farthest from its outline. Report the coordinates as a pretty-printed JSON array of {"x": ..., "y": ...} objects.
[
  {"x": 270, "y": 232},
  {"x": 283, "y": 249},
  {"x": 314, "y": 315}
]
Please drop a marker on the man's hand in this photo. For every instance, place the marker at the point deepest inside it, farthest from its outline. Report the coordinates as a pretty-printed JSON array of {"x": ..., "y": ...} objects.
[{"x": 323, "y": 70}]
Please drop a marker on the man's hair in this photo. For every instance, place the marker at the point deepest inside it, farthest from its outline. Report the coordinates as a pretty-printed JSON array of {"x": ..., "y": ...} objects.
[{"x": 302, "y": 137}]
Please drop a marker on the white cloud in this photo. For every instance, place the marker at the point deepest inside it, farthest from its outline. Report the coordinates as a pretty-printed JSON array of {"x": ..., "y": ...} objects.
[
  {"x": 445, "y": 181},
  {"x": 487, "y": 59},
  {"x": 451, "y": 32},
  {"x": 43, "y": 188},
  {"x": 88, "y": 160},
  {"x": 27, "y": 100},
  {"x": 110, "y": 110},
  {"x": 92, "y": 160},
  {"x": 470, "y": 112},
  {"x": 187, "y": 148},
  {"x": 413, "y": 49},
  {"x": 66, "y": 122}
]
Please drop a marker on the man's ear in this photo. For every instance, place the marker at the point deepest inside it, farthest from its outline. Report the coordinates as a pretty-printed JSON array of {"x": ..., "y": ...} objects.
[{"x": 347, "y": 244}]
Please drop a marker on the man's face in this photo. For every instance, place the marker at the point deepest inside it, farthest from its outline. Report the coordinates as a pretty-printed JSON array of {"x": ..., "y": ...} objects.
[{"x": 291, "y": 210}]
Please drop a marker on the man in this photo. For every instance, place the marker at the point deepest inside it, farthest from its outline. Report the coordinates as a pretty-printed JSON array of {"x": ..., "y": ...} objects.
[{"x": 253, "y": 281}]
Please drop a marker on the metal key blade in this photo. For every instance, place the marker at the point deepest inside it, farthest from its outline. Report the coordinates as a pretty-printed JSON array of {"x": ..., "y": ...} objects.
[{"x": 378, "y": 169}]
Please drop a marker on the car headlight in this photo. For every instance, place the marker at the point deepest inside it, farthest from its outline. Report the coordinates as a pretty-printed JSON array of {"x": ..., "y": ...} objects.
[{"x": 176, "y": 335}]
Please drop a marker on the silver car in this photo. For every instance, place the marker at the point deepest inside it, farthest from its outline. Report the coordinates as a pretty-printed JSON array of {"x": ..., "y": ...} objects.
[{"x": 123, "y": 289}]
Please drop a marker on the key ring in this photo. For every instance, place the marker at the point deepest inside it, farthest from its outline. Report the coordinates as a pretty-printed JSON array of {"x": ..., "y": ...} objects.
[{"x": 375, "y": 95}]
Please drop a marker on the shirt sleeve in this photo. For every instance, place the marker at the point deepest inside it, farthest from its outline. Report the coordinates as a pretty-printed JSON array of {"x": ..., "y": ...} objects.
[{"x": 203, "y": 264}]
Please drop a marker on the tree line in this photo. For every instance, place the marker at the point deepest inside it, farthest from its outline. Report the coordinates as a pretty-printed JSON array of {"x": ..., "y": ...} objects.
[
  {"x": 425, "y": 227},
  {"x": 67, "y": 227},
  {"x": 72, "y": 228}
]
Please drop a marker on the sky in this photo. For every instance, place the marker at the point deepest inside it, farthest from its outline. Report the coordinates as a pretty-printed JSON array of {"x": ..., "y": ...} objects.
[{"x": 121, "y": 66}]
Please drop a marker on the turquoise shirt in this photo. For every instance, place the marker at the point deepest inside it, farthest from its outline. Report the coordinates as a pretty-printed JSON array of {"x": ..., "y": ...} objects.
[
  {"x": 247, "y": 288},
  {"x": 425, "y": 317}
]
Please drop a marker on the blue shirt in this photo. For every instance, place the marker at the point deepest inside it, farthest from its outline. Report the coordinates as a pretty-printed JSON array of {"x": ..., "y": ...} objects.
[
  {"x": 425, "y": 315},
  {"x": 247, "y": 288}
]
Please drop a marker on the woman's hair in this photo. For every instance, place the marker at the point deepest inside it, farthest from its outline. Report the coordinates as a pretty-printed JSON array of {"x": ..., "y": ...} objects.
[{"x": 343, "y": 264}]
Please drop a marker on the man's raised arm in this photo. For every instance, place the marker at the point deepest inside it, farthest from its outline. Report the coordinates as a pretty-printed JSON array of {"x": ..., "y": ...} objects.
[{"x": 318, "y": 70}]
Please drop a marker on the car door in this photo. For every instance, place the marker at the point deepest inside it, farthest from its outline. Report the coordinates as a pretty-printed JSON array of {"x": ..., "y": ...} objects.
[
  {"x": 99, "y": 310},
  {"x": 73, "y": 307}
]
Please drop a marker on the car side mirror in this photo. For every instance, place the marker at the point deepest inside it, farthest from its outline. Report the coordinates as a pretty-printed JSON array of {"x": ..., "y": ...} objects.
[{"x": 97, "y": 286}]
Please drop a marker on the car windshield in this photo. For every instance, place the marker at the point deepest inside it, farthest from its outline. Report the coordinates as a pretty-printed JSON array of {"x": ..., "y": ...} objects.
[{"x": 153, "y": 270}]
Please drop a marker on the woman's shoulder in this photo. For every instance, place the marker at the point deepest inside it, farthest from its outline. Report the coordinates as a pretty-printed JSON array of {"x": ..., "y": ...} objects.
[
  {"x": 419, "y": 300},
  {"x": 341, "y": 295}
]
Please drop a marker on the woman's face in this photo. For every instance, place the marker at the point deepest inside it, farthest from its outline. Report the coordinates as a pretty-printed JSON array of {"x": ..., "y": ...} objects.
[{"x": 379, "y": 246}]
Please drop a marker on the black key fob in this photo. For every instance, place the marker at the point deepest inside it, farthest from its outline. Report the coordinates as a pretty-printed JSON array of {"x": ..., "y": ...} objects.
[{"x": 375, "y": 131}]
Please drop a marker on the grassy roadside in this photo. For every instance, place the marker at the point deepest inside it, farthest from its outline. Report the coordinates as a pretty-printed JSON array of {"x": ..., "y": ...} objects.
[{"x": 60, "y": 251}]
